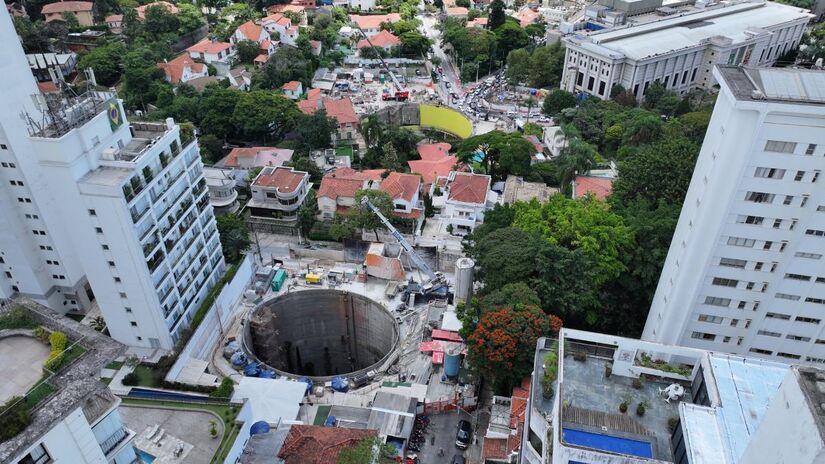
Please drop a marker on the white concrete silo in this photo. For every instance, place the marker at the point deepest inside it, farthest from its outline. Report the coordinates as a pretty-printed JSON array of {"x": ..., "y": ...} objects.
[{"x": 464, "y": 270}]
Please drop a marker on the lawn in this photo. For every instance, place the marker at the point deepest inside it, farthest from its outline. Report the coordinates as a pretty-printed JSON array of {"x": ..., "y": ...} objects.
[
  {"x": 146, "y": 377},
  {"x": 343, "y": 151},
  {"x": 226, "y": 412},
  {"x": 114, "y": 365},
  {"x": 75, "y": 316}
]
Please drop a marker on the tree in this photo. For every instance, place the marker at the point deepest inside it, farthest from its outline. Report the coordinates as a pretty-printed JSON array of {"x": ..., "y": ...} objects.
[
  {"x": 503, "y": 343},
  {"x": 654, "y": 93},
  {"x": 546, "y": 65},
  {"x": 576, "y": 158},
  {"x": 105, "y": 61},
  {"x": 158, "y": 20},
  {"x": 287, "y": 64},
  {"x": 643, "y": 129},
  {"x": 369, "y": 450},
  {"x": 658, "y": 172},
  {"x": 518, "y": 65},
  {"x": 316, "y": 129},
  {"x": 234, "y": 237},
  {"x": 264, "y": 115},
  {"x": 496, "y": 17},
  {"x": 247, "y": 51},
  {"x": 389, "y": 159},
  {"x": 211, "y": 148},
  {"x": 372, "y": 129},
  {"x": 510, "y": 36},
  {"x": 514, "y": 293},
  {"x": 189, "y": 17},
  {"x": 307, "y": 213},
  {"x": 30, "y": 37},
  {"x": 556, "y": 101},
  {"x": 504, "y": 153},
  {"x": 363, "y": 217},
  {"x": 140, "y": 73},
  {"x": 414, "y": 44},
  {"x": 469, "y": 72},
  {"x": 305, "y": 164},
  {"x": 217, "y": 107},
  {"x": 70, "y": 19}
]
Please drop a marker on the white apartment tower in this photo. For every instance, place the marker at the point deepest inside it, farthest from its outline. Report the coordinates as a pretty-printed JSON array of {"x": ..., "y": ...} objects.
[
  {"x": 744, "y": 273},
  {"x": 94, "y": 207}
]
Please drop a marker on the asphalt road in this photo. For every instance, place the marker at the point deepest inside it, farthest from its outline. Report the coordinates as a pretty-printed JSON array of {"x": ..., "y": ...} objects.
[{"x": 442, "y": 430}]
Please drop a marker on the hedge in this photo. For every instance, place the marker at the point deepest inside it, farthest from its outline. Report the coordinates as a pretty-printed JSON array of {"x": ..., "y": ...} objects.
[
  {"x": 58, "y": 341},
  {"x": 14, "y": 418}
]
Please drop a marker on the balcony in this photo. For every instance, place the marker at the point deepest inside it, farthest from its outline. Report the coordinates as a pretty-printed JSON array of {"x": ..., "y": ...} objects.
[
  {"x": 114, "y": 442},
  {"x": 155, "y": 260},
  {"x": 137, "y": 216},
  {"x": 149, "y": 247}
]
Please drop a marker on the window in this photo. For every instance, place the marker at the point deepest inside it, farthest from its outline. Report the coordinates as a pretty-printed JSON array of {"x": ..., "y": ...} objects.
[
  {"x": 38, "y": 455},
  {"x": 758, "y": 266},
  {"x": 785, "y": 296},
  {"x": 819, "y": 341},
  {"x": 815, "y": 360},
  {"x": 787, "y": 355},
  {"x": 749, "y": 286},
  {"x": 815, "y": 232},
  {"x": 105, "y": 247},
  {"x": 710, "y": 319},
  {"x": 722, "y": 282},
  {"x": 781, "y": 317},
  {"x": 811, "y": 299},
  {"x": 703, "y": 336},
  {"x": 792, "y": 276},
  {"x": 128, "y": 309},
  {"x": 815, "y": 177},
  {"x": 98, "y": 230},
  {"x": 111, "y": 263},
  {"x": 798, "y": 338},
  {"x": 804, "y": 201},
  {"x": 755, "y": 220},
  {"x": 781, "y": 249},
  {"x": 117, "y": 280},
  {"x": 726, "y": 339},
  {"x": 810, "y": 149},
  {"x": 788, "y": 200},
  {"x": 730, "y": 262},
  {"x": 777, "y": 223},
  {"x": 767, "y": 245},
  {"x": 799, "y": 175},
  {"x": 759, "y": 197},
  {"x": 716, "y": 301},
  {"x": 780, "y": 147},
  {"x": 92, "y": 212},
  {"x": 133, "y": 323},
  {"x": 741, "y": 305},
  {"x": 809, "y": 320},
  {"x": 767, "y": 333},
  {"x": 743, "y": 242},
  {"x": 734, "y": 322},
  {"x": 760, "y": 351},
  {"x": 769, "y": 173}
]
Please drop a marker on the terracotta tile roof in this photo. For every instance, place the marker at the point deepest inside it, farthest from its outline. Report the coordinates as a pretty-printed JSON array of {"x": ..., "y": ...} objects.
[
  {"x": 174, "y": 69},
  {"x": 278, "y": 19},
  {"x": 312, "y": 444},
  {"x": 333, "y": 187},
  {"x": 401, "y": 186},
  {"x": 47, "y": 87},
  {"x": 250, "y": 30},
  {"x": 433, "y": 151},
  {"x": 478, "y": 22},
  {"x": 141, "y": 10},
  {"x": 261, "y": 58},
  {"x": 116, "y": 18},
  {"x": 457, "y": 11},
  {"x": 308, "y": 106},
  {"x": 292, "y": 29},
  {"x": 285, "y": 180},
  {"x": 383, "y": 39},
  {"x": 598, "y": 186},
  {"x": 291, "y": 85},
  {"x": 374, "y": 21},
  {"x": 315, "y": 44},
  {"x": 264, "y": 156},
  {"x": 314, "y": 93},
  {"x": 527, "y": 16},
  {"x": 212, "y": 48},
  {"x": 368, "y": 174},
  {"x": 414, "y": 214},
  {"x": 435, "y": 161},
  {"x": 469, "y": 188},
  {"x": 341, "y": 110},
  {"x": 285, "y": 8},
  {"x": 66, "y": 7}
]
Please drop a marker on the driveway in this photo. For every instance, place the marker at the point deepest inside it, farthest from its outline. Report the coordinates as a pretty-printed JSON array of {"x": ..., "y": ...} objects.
[{"x": 442, "y": 430}]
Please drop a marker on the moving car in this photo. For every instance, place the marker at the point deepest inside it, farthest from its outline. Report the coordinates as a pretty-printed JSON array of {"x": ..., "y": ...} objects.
[{"x": 464, "y": 434}]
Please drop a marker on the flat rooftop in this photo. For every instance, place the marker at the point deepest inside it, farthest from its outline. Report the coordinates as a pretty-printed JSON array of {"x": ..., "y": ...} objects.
[
  {"x": 736, "y": 22},
  {"x": 23, "y": 358},
  {"x": 781, "y": 85}
]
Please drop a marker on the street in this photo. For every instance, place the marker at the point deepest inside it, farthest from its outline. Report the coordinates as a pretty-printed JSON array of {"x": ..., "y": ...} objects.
[{"x": 442, "y": 431}]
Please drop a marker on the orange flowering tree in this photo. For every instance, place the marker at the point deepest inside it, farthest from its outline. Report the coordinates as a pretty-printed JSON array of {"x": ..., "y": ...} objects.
[{"x": 504, "y": 341}]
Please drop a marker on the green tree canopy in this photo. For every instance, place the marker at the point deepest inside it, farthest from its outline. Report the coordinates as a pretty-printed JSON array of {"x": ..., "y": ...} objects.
[
  {"x": 363, "y": 217},
  {"x": 105, "y": 61},
  {"x": 556, "y": 101},
  {"x": 248, "y": 50},
  {"x": 234, "y": 236},
  {"x": 658, "y": 172},
  {"x": 264, "y": 115}
]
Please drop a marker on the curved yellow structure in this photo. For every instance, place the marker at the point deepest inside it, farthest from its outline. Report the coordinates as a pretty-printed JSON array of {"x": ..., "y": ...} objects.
[{"x": 445, "y": 119}]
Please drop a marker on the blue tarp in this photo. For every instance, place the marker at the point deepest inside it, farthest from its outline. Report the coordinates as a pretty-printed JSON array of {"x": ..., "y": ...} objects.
[
  {"x": 330, "y": 422},
  {"x": 307, "y": 381},
  {"x": 259, "y": 427},
  {"x": 238, "y": 359},
  {"x": 267, "y": 374},
  {"x": 251, "y": 370},
  {"x": 340, "y": 384}
]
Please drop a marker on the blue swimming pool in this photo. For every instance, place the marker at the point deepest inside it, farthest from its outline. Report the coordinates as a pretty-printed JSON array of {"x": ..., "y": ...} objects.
[
  {"x": 608, "y": 443},
  {"x": 161, "y": 395},
  {"x": 144, "y": 456}
]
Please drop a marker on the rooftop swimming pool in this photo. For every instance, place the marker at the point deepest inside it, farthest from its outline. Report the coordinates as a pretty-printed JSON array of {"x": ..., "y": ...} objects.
[
  {"x": 144, "y": 457},
  {"x": 609, "y": 443}
]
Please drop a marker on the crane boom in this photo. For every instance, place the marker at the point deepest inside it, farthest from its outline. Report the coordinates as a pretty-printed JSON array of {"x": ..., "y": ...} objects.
[
  {"x": 400, "y": 93},
  {"x": 420, "y": 263}
]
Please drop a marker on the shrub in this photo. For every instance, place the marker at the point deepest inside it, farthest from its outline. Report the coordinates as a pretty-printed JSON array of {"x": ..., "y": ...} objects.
[
  {"x": 16, "y": 417},
  {"x": 672, "y": 423},
  {"x": 637, "y": 384},
  {"x": 640, "y": 409},
  {"x": 130, "y": 379},
  {"x": 41, "y": 333},
  {"x": 54, "y": 361},
  {"x": 58, "y": 341},
  {"x": 17, "y": 318},
  {"x": 224, "y": 390},
  {"x": 623, "y": 407}
]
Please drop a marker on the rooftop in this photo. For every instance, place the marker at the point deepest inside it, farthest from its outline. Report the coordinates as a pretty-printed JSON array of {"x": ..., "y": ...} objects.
[
  {"x": 312, "y": 444},
  {"x": 174, "y": 69},
  {"x": 256, "y": 157},
  {"x": 74, "y": 388},
  {"x": 600, "y": 187},
  {"x": 284, "y": 180},
  {"x": 786, "y": 85},
  {"x": 292, "y": 86},
  {"x": 141, "y": 10},
  {"x": 401, "y": 186},
  {"x": 66, "y": 7},
  {"x": 250, "y": 30},
  {"x": 341, "y": 110},
  {"x": 374, "y": 21},
  {"x": 736, "y": 21},
  {"x": 333, "y": 187},
  {"x": 516, "y": 189},
  {"x": 383, "y": 39},
  {"x": 209, "y": 47},
  {"x": 469, "y": 188}
]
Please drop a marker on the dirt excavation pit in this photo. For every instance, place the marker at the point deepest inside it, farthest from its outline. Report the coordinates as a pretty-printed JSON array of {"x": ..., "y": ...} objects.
[{"x": 321, "y": 333}]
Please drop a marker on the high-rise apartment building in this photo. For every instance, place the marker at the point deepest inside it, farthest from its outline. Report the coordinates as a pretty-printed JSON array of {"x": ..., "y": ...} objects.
[
  {"x": 96, "y": 208},
  {"x": 744, "y": 273}
]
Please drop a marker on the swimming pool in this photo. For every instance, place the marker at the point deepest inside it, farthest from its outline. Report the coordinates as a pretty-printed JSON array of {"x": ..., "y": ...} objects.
[
  {"x": 608, "y": 443},
  {"x": 144, "y": 456}
]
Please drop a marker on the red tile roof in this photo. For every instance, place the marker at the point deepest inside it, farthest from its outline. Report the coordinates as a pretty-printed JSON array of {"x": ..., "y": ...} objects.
[
  {"x": 401, "y": 186},
  {"x": 478, "y": 22},
  {"x": 116, "y": 18},
  {"x": 368, "y": 174},
  {"x": 261, "y": 58},
  {"x": 174, "y": 69},
  {"x": 308, "y": 106},
  {"x": 414, "y": 214},
  {"x": 469, "y": 188},
  {"x": 47, "y": 87},
  {"x": 250, "y": 30},
  {"x": 374, "y": 21},
  {"x": 457, "y": 11},
  {"x": 332, "y": 187},
  {"x": 66, "y": 7},
  {"x": 383, "y": 39},
  {"x": 315, "y": 44},
  {"x": 341, "y": 110},
  {"x": 212, "y": 48},
  {"x": 284, "y": 8},
  {"x": 435, "y": 161},
  {"x": 264, "y": 156},
  {"x": 279, "y": 19},
  {"x": 598, "y": 186},
  {"x": 291, "y": 85},
  {"x": 285, "y": 180},
  {"x": 313, "y": 444},
  {"x": 141, "y": 10}
]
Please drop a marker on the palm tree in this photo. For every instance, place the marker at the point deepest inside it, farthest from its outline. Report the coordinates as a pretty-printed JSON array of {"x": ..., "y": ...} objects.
[
  {"x": 373, "y": 130},
  {"x": 577, "y": 158},
  {"x": 98, "y": 323}
]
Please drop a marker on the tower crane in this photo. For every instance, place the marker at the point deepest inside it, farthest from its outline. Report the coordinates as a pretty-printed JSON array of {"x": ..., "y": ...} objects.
[{"x": 400, "y": 93}]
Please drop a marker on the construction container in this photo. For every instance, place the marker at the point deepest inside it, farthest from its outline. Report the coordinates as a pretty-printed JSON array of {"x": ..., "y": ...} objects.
[
  {"x": 452, "y": 362},
  {"x": 464, "y": 278},
  {"x": 278, "y": 280},
  {"x": 313, "y": 278}
]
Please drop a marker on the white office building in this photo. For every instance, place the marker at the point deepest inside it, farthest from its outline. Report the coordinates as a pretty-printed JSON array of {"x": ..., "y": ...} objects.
[
  {"x": 96, "y": 208},
  {"x": 681, "y": 49},
  {"x": 745, "y": 273}
]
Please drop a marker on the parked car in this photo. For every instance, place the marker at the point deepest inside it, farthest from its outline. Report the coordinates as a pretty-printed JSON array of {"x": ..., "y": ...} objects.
[
  {"x": 464, "y": 434},
  {"x": 458, "y": 459}
]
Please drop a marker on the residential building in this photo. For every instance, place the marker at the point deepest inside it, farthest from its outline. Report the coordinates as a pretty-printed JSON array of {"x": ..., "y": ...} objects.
[
  {"x": 276, "y": 22},
  {"x": 465, "y": 199},
  {"x": 141, "y": 10},
  {"x": 249, "y": 30},
  {"x": 277, "y": 194},
  {"x": 502, "y": 439},
  {"x": 743, "y": 272},
  {"x": 355, "y": 5},
  {"x": 537, "y": 154},
  {"x": 405, "y": 191},
  {"x": 599, "y": 187},
  {"x": 243, "y": 159},
  {"x": 317, "y": 47},
  {"x": 680, "y": 50},
  {"x": 293, "y": 90},
  {"x": 212, "y": 52},
  {"x": 182, "y": 69},
  {"x": 457, "y": 12},
  {"x": 624, "y": 401},
  {"x": 239, "y": 78},
  {"x": 479, "y": 22},
  {"x": 78, "y": 420},
  {"x": 114, "y": 23},
  {"x": 222, "y": 194},
  {"x": 554, "y": 140},
  {"x": 435, "y": 162},
  {"x": 63, "y": 63},
  {"x": 143, "y": 241},
  {"x": 57, "y": 11},
  {"x": 314, "y": 444},
  {"x": 385, "y": 40},
  {"x": 371, "y": 24},
  {"x": 340, "y": 109},
  {"x": 336, "y": 194},
  {"x": 516, "y": 189},
  {"x": 527, "y": 16}
]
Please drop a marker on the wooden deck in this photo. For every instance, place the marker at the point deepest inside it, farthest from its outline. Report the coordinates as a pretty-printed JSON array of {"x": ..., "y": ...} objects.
[{"x": 618, "y": 422}]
